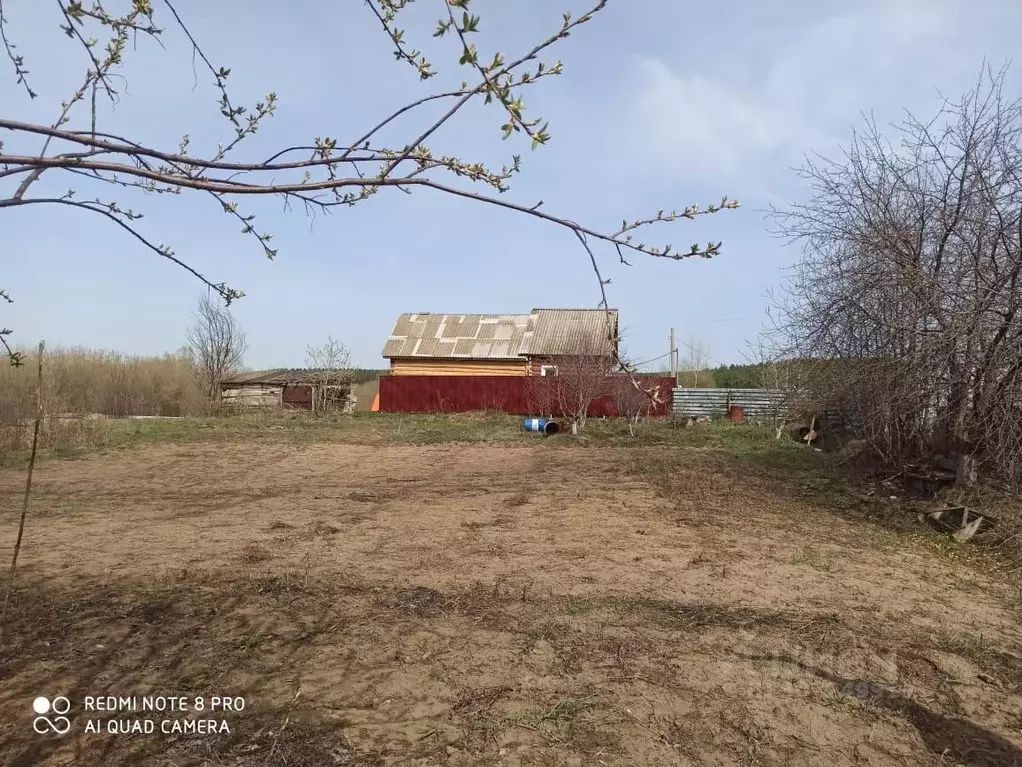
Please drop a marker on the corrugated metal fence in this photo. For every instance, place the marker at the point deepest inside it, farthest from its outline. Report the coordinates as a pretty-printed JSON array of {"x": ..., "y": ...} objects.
[
  {"x": 516, "y": 395},
  {"x": 758, "y": 404}
]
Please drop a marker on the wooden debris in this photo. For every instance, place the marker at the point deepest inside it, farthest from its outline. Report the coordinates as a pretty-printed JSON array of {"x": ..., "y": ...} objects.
[
  {"x": 962, "y": 522},
  {"x": 929, "y": 482}
]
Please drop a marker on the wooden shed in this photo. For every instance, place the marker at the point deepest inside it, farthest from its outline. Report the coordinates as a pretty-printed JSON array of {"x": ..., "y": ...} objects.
[
  {"x": 427, "y": 344},
  {"x": 289, "y": 389}
]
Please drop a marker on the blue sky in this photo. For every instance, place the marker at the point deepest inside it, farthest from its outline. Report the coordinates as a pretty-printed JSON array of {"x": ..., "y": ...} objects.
[{"x": 662, "y": 104}]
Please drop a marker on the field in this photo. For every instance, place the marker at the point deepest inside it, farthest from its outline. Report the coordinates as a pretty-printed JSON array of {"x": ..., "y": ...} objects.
[{"x": 387, "y": 591}]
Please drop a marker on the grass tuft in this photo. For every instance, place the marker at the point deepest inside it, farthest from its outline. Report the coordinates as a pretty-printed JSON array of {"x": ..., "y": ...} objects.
[{"x": 814, "y": 558}]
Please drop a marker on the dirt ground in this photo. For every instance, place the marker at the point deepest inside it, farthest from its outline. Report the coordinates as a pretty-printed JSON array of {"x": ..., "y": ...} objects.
[{"x": 483, "y": 604}]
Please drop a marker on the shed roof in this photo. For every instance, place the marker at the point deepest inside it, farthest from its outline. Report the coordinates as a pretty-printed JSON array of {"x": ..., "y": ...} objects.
[
  {"x": 543, "y": 332},
  {"x": 277, "y": 376}
]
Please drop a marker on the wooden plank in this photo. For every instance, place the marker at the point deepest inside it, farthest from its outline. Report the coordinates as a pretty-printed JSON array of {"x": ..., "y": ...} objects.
[{"x": 456, "y": 367}]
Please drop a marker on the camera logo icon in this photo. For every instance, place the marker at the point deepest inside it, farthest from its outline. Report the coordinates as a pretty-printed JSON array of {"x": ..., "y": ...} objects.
[{"x": 51, "y": 715}]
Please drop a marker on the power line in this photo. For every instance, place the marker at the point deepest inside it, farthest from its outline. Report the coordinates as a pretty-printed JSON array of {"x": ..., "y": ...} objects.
[{"x": 655, "y": 359}]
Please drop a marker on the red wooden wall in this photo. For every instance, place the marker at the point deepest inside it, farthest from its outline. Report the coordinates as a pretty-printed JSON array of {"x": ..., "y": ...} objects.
[
  {"x": 516, "y": 395},
  {"x": 296, "y": 397}
]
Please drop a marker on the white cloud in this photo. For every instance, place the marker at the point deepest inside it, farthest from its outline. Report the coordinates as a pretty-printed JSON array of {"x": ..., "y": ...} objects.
[
  {"x": 800, "y": 89},
  {"x": 701, "y": 123}
]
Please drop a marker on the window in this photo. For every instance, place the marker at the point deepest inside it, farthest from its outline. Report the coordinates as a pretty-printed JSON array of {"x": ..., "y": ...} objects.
[{"x": 548, "y": 370}]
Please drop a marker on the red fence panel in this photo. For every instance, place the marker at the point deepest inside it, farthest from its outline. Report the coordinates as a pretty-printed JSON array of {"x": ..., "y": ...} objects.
[
  {"x": 515, "y": 395},
  {"x": 452, "y": 394}
]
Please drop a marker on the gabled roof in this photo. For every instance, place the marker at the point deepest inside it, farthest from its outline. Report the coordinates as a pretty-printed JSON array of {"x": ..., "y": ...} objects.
[{"x": 543, "y": 332}]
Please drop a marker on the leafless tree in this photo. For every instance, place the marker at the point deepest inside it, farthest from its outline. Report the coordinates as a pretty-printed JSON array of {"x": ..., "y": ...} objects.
[
  {"x": 905, "y": 308},
  {"x": 217, "y": 345},
  {"x": 320, "y": 175},
  {"x": 583, "y": 376},
  {"x": 541, "y": 396},
  {"x": 780, "y": 375},
  {"x": 330, "y": 366},
  {"x": 631, "y": 403},
  {"x": 694, "y": 363}
]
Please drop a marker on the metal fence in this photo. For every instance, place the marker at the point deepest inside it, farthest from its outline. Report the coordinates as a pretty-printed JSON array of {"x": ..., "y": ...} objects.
[
  {"x": 517, "y": 395},
  {"x": 758, "y": 404}
]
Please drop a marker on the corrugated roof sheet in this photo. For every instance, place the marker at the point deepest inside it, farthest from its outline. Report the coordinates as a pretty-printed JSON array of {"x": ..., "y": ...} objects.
[
  {"x": 543, "y": 332},
  {"x": 471, "y": 336},
  {"x": 275, "y": 377},
  {"x": 559, "y": 332}
]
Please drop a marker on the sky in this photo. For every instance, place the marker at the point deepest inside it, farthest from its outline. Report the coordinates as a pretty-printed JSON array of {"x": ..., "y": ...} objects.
[{"x": 662, "y": 104}]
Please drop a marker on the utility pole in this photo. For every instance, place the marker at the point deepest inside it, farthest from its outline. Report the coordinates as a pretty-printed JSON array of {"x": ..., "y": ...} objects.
[{"x": 674, "y": 359}]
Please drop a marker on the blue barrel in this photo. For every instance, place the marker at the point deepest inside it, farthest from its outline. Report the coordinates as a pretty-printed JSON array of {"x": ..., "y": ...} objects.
[{"x": 542, "y": 425}]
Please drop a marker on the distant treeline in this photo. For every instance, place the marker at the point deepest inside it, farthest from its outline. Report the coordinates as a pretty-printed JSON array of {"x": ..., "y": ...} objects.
[
  {"x": 722, "y": 377},
  {"x": 365, "y": 375},
  {"x": 739, "y": 376}
]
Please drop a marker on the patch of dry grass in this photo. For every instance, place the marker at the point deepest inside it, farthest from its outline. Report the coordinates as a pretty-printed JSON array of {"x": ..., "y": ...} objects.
[
  {"x": 810, "y": 556},
  {"x": 517, "y": 499},
  {"x": 78, "y": 380},
  {"x": 57, "y": 436},
  {"x": 253, "y": 553}
]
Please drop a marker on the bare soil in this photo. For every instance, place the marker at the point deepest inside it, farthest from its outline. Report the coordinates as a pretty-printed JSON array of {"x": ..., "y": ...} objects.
[{"x": 482, "y": 604}]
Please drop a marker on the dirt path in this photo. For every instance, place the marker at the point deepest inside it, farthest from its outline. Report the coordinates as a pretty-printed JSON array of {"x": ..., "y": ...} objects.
[{"x": 507, "y": 605}]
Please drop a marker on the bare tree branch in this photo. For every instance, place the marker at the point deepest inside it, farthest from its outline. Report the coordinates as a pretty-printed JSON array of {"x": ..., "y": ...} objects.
[
  {"x": 330, "y": 373},
  {"x": 17, "y": 61},
  {"x": 904, "y": 308}
]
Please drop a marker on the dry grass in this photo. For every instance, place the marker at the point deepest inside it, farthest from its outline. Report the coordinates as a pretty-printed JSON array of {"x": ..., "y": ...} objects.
[
  {"x": 72, "y": 437},
  {"x": 86, "y": 381},
  {"x": 816, "y": 559},
  {"x": 518, "y": 499},
  {"x": 56, "y": 435}
]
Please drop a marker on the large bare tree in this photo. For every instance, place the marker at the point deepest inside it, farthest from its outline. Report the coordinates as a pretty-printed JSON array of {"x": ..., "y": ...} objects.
[
  {"x": 316, "y": 174},
  {"x": 217, "y": 345},
  {"x": 906, "y": 305}
]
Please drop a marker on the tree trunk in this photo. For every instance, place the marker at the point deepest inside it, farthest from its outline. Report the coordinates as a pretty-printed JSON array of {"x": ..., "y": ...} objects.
[
  {"x": 966, "y": 473},
  {"x": 962, "y": 432}
]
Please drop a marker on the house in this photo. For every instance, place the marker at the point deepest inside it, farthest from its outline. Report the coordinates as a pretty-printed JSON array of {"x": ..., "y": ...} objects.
[
  {"x": 498, "y": 344},
  {"x": 290, "y": 389}
]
